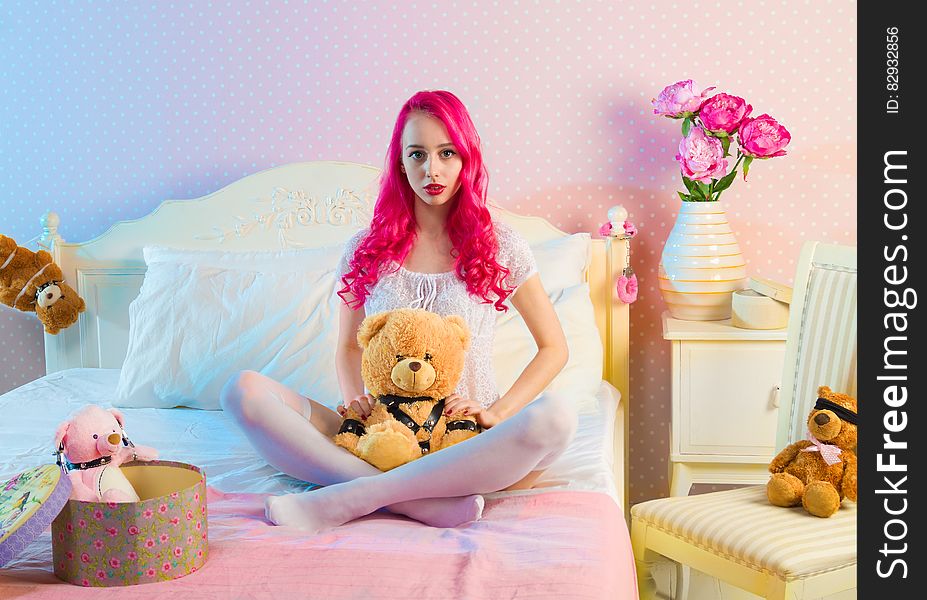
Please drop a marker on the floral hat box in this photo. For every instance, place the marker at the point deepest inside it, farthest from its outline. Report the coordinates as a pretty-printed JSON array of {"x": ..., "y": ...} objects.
[{"x": 103, "y": 544}]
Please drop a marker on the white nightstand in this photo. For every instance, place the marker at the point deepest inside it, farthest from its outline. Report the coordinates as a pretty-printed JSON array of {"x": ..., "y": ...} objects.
[{"x": 725, "y": 402}]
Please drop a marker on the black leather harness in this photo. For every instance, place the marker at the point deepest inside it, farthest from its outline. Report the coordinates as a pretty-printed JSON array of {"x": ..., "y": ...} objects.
[
  {"x": 67, "y": 465},
  {"x": 393, "y": 406}
]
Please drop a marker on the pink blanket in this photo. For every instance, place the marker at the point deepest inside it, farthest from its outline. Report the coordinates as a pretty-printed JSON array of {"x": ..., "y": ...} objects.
[{"x": 558, "y": 544}]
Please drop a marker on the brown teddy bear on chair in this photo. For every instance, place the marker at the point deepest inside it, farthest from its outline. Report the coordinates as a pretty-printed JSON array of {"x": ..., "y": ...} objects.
[
  {"x": 412, "y": 360},
  {"x": 32, "y": 282},
  {"x": 821, "y": 471}
]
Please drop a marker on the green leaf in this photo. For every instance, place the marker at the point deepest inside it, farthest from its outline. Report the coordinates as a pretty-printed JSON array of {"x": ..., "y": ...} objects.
[
  {"x": 725, "y": 145},
  {"x": 747, "y": 162},
  {"x": 683, "y": 197},
  {"x": 690, "y": 185},
  {"x": 726, "y": 181},
  {"x": 703, "y": 189},
  {"x": 686, "y": 126}
]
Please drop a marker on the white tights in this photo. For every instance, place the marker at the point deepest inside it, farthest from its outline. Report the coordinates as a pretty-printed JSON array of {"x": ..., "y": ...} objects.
[
  {"x": 276, "y": 420},
  {"x": 497, "y": 458}
]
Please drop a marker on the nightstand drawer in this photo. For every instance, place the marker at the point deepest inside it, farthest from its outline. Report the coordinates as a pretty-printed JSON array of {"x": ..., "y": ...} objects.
[{"x": 726, "y": 397}]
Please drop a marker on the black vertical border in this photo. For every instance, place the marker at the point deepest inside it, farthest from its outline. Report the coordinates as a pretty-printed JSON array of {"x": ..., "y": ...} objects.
[{"x": 881, "y": 131}]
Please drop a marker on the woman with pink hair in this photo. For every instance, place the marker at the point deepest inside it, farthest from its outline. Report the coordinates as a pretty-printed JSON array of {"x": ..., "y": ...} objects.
[{"x": 432, "y": 244}]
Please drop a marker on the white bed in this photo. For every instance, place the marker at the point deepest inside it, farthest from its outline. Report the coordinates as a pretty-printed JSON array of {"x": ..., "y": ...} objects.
[{"x": 305, "y": 205}]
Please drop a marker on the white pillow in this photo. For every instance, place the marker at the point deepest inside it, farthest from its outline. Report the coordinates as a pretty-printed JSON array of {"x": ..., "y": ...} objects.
[
  {"x": 562, "y": 261},
  {"x": 581, "y": 377},
  {"x": 202, "y": 316},
  {"x": 562, "y": 264}
]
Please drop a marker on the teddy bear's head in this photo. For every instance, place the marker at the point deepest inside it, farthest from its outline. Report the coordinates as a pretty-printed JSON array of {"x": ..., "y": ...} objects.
[
  {"x": 830, "y": 419},
  {"x": 91, "y": 433},
  {"x": 412, "y": 353},
  {"x": 57, "y": 305}
]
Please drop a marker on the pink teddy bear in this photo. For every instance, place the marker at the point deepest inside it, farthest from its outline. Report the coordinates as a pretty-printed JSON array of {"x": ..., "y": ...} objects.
[{"x": 92, "y": 443}]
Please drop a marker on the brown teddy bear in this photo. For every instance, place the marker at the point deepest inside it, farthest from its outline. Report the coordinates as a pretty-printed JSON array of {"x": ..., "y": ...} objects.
[
  {"x": 820, "y": 471},
  {"x": 412, "y": 359},
  {"x": 31, "y": 282}
]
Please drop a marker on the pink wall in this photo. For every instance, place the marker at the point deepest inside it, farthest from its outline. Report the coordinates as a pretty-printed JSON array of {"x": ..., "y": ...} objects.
[{"x": 107, "y": 111}]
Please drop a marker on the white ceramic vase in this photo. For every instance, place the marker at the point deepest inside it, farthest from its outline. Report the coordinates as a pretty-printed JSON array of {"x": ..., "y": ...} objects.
[{"x": 701, "y": 265}]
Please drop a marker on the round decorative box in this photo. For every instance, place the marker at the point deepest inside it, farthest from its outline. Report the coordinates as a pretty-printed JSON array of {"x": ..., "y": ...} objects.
[
  {"x": 752, "y": 310},
  {"x": 161, "y": 537},
  {"x": 28, "y": 503}
]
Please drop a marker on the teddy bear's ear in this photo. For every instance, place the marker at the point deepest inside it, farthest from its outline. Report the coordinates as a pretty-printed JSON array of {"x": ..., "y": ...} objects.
[
  {"x": 824, "y": 391},
  {"x": 61, "y": 433},
  {"x": 370, "y": 327},
  {"x": 119, "y": 416},
  {"x": 458, "y": 323}
]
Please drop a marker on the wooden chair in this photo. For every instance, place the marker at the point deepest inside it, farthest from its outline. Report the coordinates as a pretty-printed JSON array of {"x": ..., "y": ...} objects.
[{"x": 737, "y": 536}]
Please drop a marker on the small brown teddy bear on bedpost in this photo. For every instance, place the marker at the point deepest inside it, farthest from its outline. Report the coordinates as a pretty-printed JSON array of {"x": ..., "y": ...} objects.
[
  {"x": 32, "y": 282},
  {"x": 412, "y": 360},
  {"x": 820, "y": 472}
]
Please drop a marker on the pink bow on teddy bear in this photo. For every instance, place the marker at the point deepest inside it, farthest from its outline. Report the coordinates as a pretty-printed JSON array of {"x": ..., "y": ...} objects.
[{"x": 95, "y": 445}]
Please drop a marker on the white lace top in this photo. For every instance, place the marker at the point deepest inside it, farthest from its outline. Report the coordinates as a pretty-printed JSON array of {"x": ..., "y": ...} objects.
[{"x": 445, "y": 294}]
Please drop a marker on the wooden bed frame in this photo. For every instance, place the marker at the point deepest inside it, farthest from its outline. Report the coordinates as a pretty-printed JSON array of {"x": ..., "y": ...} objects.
[{"x": 295, "y": 205}]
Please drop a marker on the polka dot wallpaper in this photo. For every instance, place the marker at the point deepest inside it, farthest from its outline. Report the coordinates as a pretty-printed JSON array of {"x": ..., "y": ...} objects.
[{"x": 108, "y": 108}]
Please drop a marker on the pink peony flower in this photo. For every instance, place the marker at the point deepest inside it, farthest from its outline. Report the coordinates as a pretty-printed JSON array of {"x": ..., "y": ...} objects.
[
  {"x": 680, "y": 100},
  {"x": 178, "y": 551},
  {"x": 630, "y": 229},
  {"x": 763, "y": 137},
  {"x": 131, "y": 556},
  {"x": 723, "y": 112},
  {"x": 133, "y": 530},
  {"x": 98, "y": 544},
  {"x": 150, "y": 572},
  {"x": 148, "y": 513},
  {"x": 114, "y": 563},
  {"x": 69, "y": 554},
  {"x": 85, "y": 582},
  {"x": 112, "y": 531},
  {"x": 166, "y": 567},
  {"x": 101, "y": 574},
  {"x": 701, "y": 157},
  {"x": 84, "y": 557},
  {"x": 162, "y": 509},
  {"x": 69, "y": 527},
  {"x": 164, "y": 537},
  {"x": 175, "y": 521},
  {"x": 98, "y": 514},
  {"x": 149, "y": 543},
  {"x": 606, "y": 229},
  {"x": 81, "y": 523},
  {"x": 111, "y": 504},
  {"x": 189, "y": 515}
]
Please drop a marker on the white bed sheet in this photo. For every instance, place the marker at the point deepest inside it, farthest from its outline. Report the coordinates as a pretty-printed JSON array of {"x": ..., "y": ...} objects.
[{"x": 209, "y": 439}]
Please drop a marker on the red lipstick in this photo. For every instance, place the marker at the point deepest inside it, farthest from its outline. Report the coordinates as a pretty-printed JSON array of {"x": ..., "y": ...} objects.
[{"x": 434, "y": 188}]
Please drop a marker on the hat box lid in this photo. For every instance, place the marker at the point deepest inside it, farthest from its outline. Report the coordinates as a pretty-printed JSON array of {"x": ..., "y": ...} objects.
[
  {"x": 773, "y": 289},
  {"x": 29, "y": 502}
]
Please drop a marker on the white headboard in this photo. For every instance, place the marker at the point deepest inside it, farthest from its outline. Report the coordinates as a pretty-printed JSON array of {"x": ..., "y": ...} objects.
[{"x": 295, "y": 205}]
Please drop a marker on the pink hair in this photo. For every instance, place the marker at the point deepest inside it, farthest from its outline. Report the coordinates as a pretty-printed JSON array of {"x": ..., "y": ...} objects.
[{"x": 469, "y": 225}]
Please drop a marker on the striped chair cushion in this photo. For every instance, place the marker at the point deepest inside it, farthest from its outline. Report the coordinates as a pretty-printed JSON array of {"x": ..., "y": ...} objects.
[{"x": 742, "y": 526}]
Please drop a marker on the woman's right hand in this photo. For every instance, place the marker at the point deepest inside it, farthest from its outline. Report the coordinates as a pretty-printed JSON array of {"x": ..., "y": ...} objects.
[{"x": 362, "y": 405}]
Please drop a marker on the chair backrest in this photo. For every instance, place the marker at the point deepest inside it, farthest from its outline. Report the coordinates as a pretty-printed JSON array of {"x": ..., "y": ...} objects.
[{"x": 820, "y": 347}]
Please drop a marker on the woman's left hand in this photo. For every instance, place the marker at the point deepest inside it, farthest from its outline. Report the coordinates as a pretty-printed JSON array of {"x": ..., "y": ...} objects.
[{"x": 457, "y": 403}]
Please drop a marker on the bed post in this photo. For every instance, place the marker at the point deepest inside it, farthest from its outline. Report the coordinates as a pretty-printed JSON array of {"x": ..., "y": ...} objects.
[{"x": 617, "y": 342}]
